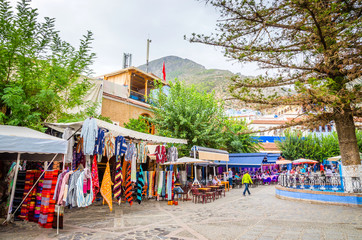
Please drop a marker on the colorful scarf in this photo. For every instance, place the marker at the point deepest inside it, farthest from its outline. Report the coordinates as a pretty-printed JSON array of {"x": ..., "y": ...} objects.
[
  {"x": 109, "y": 143},
  {"x": 95, "y": 180},
  {"x": 128, "y": 192},
  {"x": 106, "y": 188},
  {"x": 117, "y": 189},
  {"x": 140, "y": 185},
  {"x": 29, "y": 179}
]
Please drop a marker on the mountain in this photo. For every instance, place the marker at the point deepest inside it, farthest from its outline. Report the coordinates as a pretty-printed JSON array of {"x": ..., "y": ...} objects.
[{"x": 193, "y": 73}]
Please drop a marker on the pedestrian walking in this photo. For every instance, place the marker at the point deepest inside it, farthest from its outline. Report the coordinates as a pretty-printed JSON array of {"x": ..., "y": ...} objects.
[{"x": 246, "y": 180}]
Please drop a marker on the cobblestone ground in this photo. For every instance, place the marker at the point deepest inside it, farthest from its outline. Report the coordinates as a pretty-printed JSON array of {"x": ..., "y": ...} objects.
[{"x": 259, "y": 216}]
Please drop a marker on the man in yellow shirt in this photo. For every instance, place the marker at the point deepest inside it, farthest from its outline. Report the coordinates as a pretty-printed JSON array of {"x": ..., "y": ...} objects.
[{"x": 246, "y": 180}]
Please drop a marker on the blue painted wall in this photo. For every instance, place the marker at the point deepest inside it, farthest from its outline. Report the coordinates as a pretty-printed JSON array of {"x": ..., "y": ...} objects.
[{"x": 356, "y": 200}]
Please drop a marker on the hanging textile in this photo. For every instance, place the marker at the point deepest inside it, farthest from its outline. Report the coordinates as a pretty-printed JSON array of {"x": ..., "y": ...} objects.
[
  {"x": 63, "y": 189},
  {"x": 145, "y": 178},
  {"x": 39, "y": 190},
  {"x": 160, "y": 183},
  {"x": 84, "y": 196},
  {"x": 106, "y": 187},
  {"x": 68, "y": 133},
  {"x": 89, "y": 134},
  {"x": 134, "y": 166},
  {"x": 172, "y": 154},
  {"x": 29, "y": 179},
  {"x": 151, "y": 183},
  {"x": 131, "y": 148},
  {"x": 32, "y": 198},
  {"x": 47, "y": 202},
  {"x": 142, "y": 153},
  {"x": 109, "y": 143},
  {"x": 140, "y": 185},
  {"x": 128, "y": 191},
  {"x": 160, "y": 154},
  {"x": 95, "y": 180},
  {"x": 124, "y": 171},
  {"x": 117, "y": 189},
  {"x": 99, "y": 144},
  {"x": 169, "y": 185},
  {"x": 120, "y": 146}
]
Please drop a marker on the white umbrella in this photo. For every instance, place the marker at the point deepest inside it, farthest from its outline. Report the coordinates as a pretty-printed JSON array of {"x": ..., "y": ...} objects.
[{"x": 303, "y": 160}]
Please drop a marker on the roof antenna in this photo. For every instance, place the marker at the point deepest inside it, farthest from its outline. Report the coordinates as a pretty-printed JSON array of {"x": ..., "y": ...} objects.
[{"x": 148, "y": 52}]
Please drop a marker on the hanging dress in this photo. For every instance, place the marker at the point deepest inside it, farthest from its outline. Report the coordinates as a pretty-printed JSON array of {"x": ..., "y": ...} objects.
[
  {"x": 117, "y": 189},
  {"x": 106, "y": 188}
]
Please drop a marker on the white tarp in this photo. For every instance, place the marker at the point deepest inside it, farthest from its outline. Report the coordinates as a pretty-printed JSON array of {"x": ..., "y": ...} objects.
[
  {"x": 25, "y": 140},
  {"x": 119, "y": 131},
  {"x": 185, "y": 160}
]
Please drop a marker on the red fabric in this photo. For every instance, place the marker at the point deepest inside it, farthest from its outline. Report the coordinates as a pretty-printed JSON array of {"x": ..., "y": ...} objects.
[
  {"x": 164, "y": 71},
  {"x": 95, "y": 180}
]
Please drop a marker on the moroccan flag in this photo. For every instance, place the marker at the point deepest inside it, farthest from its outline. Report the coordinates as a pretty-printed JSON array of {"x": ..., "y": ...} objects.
[{"x": 164, "y": 71}]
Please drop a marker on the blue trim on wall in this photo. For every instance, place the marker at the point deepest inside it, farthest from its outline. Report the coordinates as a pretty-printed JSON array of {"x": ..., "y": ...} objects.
[{"x": 355, "y": 200}]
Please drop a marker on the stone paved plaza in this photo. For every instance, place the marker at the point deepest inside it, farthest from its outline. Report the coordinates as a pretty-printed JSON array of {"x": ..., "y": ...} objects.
[{"x": 259, "y": 216}]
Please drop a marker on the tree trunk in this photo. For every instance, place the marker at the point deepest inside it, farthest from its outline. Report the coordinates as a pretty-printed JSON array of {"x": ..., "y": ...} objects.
[{"x": 347, "y": 138}]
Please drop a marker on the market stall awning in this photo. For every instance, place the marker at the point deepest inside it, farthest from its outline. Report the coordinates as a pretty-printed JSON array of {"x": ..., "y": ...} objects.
[
  {"x": 211, "y": 154},
  {"x": 244, "y": 159},
  {"x": 303, "y": 160},
  {"x": 118, "y": 131},
  {"x": 185, "y": 160},
  {"x": 15, "y": 139},
  {"x": 281, "y": 162}
]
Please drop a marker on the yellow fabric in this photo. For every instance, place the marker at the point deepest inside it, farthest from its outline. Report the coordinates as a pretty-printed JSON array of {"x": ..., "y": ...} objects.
[
  {"x": 106, "y": 188},
  {"x": 246, "y": 178}
]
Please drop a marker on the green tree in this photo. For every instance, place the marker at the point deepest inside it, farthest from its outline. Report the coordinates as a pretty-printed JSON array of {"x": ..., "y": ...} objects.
[
  {"x": 184, "y": 112},
  {"x": 311, "y": 146},
  {"x": 138, "y": 124},
  {"x": 314, "y": 49},
  {"x": 39, "y": 72},
  {"x": 239, "y": 143}
]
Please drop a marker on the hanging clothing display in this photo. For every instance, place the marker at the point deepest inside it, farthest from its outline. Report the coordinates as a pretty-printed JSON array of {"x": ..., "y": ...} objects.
[
  {"x": 117, "y": 189},
  {"x": 95, "y": 180},
  {"x": 160, "y": 154},
  {"x": 131, "y": 148},
  {"x": 160, "y": 183},
  {"x": 120, "y": 146},
  {"x": 68, "y": 134},
  {"x": 89, "y": 134},
  {"x": 140, "y": 185},
  {"x": 128, "y": 192},
  {"x": 47, "y": 202},
  {"x": 106, "y": 187},
  {"x": 109, "y": 143},
  {"x": 99, "y": 144},
  {"x": 142, "y": 152},
  {"x": 172, "y": 154},
  {"x": 84, "y": 186}
]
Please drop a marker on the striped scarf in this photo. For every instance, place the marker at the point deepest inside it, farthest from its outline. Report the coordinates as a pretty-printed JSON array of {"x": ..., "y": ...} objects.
[
  {"x": 29, "y": 179},
  {"x": 128, "y": 192},
  {"x": 140, "y": 185},
  {"x": 117, "y": 189},
  {"x": 47, "y": 202}
]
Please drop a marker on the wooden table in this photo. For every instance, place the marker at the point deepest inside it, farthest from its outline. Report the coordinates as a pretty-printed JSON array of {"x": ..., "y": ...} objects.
[
  {"x": 204, "y": 189},
  {"x": 226, "y": 183}
]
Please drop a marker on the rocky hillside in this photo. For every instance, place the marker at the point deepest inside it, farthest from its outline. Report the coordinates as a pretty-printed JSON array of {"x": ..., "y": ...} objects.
[{"x": 193, "y": 73}]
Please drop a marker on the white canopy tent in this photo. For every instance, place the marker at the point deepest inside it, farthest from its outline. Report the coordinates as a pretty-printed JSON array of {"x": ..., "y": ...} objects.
[
  {"x": 185, "y": 160},
  {"x": 117, "y": 130},
  {"x": 24, "y": 140}
]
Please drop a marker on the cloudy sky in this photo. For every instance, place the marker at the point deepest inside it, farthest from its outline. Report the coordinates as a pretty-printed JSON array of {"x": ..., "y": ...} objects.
[{"x": 124, "y": 25}]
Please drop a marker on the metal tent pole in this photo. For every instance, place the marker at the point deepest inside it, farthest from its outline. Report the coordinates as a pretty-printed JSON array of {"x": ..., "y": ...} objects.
[{"x": 13, "y": 188}]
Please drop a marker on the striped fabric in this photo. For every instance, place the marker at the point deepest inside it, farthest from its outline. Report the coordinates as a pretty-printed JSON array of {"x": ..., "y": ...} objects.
[
  {"x": 84, "y": 200},
  {"x": 121, "y": 146},
  {"x": 38, "y": 200},
  {"x": 32, "y": 198},
  {"x": 142, "y": 152},
  {"x": 150, "y": 183},
  {"x": 128, "y": 191},
  {"x": 95, "y": 180},
  {"x": 117, "y": 189},
  {"x": 29, "y": 179},
  {"x": 47, "y": 202},
  {"x": 140, "y": 185},
  {"x": 106, "y": 188}
]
